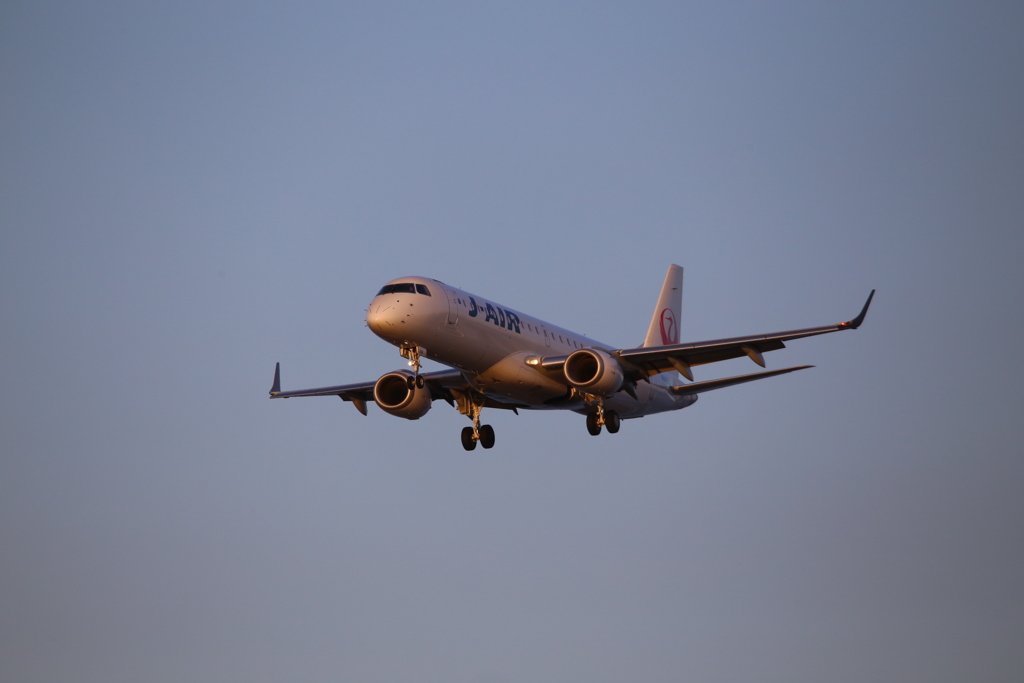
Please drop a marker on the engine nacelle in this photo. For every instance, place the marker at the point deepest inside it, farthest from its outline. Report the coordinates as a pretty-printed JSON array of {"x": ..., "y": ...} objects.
[
  {"x": 593, "y": 371},
  {"x": 397, "y": 394}
]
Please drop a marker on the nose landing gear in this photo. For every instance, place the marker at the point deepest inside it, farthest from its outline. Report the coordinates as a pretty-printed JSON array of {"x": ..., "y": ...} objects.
[{"x": 412, "y": 352}]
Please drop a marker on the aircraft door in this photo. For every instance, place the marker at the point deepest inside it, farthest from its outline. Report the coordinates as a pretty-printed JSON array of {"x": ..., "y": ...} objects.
[{"x": 453, "y": 306}]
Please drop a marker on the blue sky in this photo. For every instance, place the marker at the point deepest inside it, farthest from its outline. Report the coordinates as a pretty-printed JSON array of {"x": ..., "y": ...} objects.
[{"x": 190, "y": 192}]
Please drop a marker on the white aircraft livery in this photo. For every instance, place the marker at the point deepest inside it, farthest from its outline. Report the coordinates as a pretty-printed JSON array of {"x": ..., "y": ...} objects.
[{"x": 503, "y": 358}]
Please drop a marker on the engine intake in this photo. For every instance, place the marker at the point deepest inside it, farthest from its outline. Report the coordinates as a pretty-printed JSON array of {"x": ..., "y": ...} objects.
[
  {"x": 397, "y": 394},
  {"x": 593, "y": 371}
]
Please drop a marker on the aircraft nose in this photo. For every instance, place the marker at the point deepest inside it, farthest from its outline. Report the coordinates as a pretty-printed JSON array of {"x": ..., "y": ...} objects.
[{"x": 383, "y": 318}]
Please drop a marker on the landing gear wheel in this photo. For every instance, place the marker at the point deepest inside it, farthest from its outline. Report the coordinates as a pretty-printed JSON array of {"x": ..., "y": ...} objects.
[
  {"x": 593, "y": 425},
  {"x": 420, "y": 382},
  {"x": 612, "y": 421},
  {"x": 410, "y": 382},
  {"x": 468, "y": 442},
  {"x": 487, "y": 436}
]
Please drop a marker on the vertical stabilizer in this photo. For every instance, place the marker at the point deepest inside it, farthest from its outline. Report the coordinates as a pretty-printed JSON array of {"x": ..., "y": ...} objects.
[{"x": 664, "y": 329}]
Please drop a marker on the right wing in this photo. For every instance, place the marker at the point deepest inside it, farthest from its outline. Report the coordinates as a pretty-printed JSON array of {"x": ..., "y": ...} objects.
[{"x": 359, "y": 393}]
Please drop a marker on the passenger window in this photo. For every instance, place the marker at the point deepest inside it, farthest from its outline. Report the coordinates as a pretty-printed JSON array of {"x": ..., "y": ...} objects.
[{"x": 422, "y": 289}]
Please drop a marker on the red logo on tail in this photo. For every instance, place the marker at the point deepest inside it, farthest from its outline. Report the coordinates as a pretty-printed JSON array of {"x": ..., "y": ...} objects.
[{"x": 669, "y": 328}]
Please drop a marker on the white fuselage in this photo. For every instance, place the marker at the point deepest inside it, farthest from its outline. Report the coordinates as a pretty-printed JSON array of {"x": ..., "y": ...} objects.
[{"x": 495, "y": 345}]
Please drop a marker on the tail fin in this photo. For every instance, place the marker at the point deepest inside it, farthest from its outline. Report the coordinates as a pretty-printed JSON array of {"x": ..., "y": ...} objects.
[{"x": 664, "y": 329}]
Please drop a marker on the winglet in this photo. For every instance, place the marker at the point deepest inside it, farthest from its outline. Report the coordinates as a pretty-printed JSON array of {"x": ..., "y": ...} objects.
[
  {"x": 276, "y": 389},
  {"x": 855, "y": 323}
]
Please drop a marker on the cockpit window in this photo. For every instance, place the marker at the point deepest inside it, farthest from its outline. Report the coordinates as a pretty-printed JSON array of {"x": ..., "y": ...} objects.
[
  {"x": 400, "y": 288},
  {"x": 404, "y": 288}
]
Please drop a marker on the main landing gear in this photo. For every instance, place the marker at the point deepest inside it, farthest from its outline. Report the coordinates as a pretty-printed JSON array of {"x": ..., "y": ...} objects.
[
  {"x": 608, "y": 419},
  {"x": 471, "y": 405},
  {"x": 485, "y": 435}
]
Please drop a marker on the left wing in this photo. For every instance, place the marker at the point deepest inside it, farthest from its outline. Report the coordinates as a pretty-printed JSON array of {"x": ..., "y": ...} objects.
[{"x": 646, "y": 361}]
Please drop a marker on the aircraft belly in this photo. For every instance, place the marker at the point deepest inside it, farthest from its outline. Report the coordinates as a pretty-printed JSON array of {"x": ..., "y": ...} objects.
[
  {"x": 650, "y": 399},
  {"x": 511, "y": 377},
  {"x": 626, "y": 406}
]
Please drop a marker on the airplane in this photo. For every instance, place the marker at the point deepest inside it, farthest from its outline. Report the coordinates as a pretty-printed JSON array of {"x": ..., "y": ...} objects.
[{"x": 502, "y": 358}]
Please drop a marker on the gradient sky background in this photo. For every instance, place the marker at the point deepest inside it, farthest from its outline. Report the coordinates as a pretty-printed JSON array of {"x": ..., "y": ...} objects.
[{"x": 191, "y": 191}]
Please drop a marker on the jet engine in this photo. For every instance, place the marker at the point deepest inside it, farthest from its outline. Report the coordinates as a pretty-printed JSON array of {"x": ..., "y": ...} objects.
[
  {"x": 397, "y": 394},
  {"x": 593, "y": 371}
]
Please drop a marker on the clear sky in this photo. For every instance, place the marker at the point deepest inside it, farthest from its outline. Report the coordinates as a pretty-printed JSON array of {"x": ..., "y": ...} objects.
[{"x": 193, "y": 191}]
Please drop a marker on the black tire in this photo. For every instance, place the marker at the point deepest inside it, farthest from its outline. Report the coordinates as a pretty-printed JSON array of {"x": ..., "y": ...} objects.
[
  {"x": 487, "y": 436},
  {"x": 410, "y": 382},
  {"x": 468, "y": 442},
  {"x": 420, "y": 382},
  {"x": 592, "y": 426},
  {"x": 612, "y": 421}
]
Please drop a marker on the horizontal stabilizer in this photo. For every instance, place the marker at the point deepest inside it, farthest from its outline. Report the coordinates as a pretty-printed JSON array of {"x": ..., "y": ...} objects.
[{"x": 711, "y": 385}]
